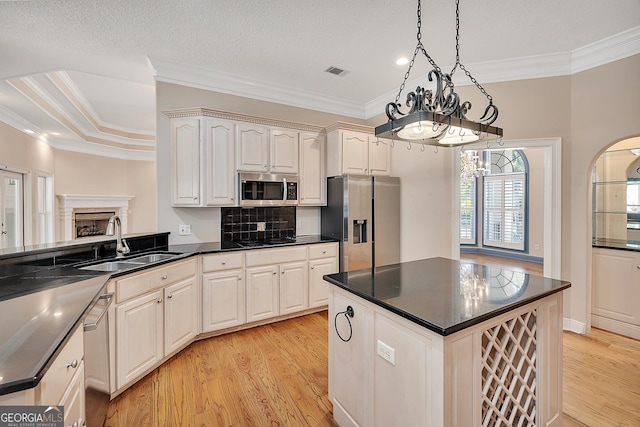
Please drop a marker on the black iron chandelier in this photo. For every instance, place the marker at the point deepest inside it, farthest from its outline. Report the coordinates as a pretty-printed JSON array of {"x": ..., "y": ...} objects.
[{"x": 437, "y": 117}]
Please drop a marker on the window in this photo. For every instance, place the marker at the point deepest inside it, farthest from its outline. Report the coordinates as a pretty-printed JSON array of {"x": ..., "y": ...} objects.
[
  {"x": 468, "y": 211},
  {"x": 504, "y": 197},
  {"x": 45, "y": 209}
]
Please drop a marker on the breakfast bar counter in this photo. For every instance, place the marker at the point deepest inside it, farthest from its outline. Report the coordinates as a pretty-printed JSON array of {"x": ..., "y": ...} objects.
[{"x": 438, "y": 342}]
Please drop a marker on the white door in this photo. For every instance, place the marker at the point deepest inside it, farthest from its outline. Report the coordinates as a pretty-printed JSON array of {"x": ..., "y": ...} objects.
[
  {"x": 180, "y": 315},
  {"x": 294, "y": 285},
  {"x": 11, "y": 210}
]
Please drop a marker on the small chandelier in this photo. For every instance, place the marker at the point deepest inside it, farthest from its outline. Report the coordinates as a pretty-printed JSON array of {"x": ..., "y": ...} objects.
[
  {"x": 437, "y": 117},
  {"x": 472, "y": 167}
]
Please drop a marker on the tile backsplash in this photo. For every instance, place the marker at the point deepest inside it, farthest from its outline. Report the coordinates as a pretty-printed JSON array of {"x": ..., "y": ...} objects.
[{"x": 268, "y": 223}]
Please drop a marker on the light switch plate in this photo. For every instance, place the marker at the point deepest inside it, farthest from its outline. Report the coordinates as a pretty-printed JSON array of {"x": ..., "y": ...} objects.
[{"x": 184, "y": 230}]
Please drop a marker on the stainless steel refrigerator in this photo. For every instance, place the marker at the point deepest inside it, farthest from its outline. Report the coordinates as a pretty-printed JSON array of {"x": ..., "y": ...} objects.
[{"x": 363, "y": 213}]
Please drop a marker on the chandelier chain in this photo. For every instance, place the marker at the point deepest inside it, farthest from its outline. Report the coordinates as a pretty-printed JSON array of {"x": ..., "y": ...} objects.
[
  {"x": 459, "y": 64},
  {"x": 419, "y": 48}
]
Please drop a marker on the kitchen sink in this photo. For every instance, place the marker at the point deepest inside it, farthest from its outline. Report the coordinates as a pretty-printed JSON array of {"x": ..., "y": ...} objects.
[
  {"x": 124, "y": 264},
  {"x": 112, "y": 266},
  {"x": 146, "y": 259}
]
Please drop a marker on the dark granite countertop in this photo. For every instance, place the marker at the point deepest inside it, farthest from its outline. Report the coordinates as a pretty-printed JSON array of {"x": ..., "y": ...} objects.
[
  {"x": 438, "y": 293},
  {"x": 41, "y": 304},
  {"x": 624, "y": 245}
]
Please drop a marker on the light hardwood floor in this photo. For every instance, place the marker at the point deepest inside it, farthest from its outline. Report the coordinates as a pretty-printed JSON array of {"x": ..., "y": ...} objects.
[{"x": 276, "y": 375}]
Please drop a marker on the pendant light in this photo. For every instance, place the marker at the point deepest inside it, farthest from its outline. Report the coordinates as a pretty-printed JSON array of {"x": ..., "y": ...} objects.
[{"x": 437, "y": 117}]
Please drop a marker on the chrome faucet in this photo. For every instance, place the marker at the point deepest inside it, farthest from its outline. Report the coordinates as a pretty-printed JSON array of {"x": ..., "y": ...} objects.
[{"x": 121, "y": 244}]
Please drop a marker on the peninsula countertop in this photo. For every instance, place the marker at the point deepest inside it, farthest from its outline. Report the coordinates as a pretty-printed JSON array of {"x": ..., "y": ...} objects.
[
  {"x": 445, "y": 295},
  {"x": 43, "y": 301}
]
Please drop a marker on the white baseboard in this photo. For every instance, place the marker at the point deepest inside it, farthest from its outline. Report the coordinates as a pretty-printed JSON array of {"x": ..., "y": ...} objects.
[
  {"x": 573, "y": 325},
  {"x": 616, "y": 326}
]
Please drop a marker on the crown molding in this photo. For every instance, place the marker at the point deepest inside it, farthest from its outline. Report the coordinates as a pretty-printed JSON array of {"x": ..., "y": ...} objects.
[
  {"x": 18, "y": 122},
  {"x": 354, "y": 127},
  {"x": 207, "y": 112},
  {"x": 201, "y": 78},
  {"x": 610, "y": 49},
  {"x": 103, "y": 150}
]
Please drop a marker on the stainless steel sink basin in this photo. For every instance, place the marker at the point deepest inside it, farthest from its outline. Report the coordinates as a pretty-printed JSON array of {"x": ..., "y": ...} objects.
[
  {"x": 112, "y": 266},
  {"x": 124, "y": 264},
  {"x": 146, "y": 259}
]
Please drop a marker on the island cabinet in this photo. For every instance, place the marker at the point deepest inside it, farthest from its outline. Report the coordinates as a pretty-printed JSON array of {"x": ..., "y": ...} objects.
[
  {"x": 353, "y": 149},
  {"x": 616, "y": 291},
  {"x": 202, "y": 162},
  {"x": 423, "y": 349},
  {"x": 156, "y": 315}
]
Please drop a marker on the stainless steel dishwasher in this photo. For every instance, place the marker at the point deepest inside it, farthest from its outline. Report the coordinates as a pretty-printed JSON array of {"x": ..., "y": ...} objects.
[{"x": 96, "y": 361}]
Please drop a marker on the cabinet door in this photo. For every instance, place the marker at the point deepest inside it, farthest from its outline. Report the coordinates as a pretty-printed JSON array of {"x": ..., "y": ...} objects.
[
  {"x": 185, "y": 162},
  {"x": 219, "y": 143},
  {"x": 283, "y": 151},
  {"x": 251, "y": 148},
  {"x": 73, "y": 399},
  {"x": 294, "y": 287},
  {"x": 313, "y": 170},
  {"x": 262, "y": 292},
  {"x": 318, "y": 287},
  {"x": 616, "y": 289},
  {"x": 355, "y": 153},
  {"x": 223, "y": 300},
  {"x": 180, "y": 315},
  {"x": 139, "y": 336},
  {"x": 379, "y": 156}
]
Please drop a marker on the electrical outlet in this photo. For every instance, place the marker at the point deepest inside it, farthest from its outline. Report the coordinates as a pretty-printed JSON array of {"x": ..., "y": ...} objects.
[
  {"x": 184, "y": 230},
  {"x": 262, "y": 226},
  {"x": 537, "y": 247},
  {"x": 386, "y": 352}
]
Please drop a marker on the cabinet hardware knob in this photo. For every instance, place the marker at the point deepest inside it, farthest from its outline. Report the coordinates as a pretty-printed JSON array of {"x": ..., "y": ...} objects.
[
  {"x": 75, "y": 424},
  {"x": 164, "y": 277},
  {"x": 159, "y": 300},
  {"x": 170, "y": 296},
  {"x": 239, "y": 278},
  {"x": 638, "y": 267},
  {"x": 282, "y": 272},
  {"x": 73, "y": 364},
  {"x": 324, "y": 252},
  {"x": 312, "y": 267},
  {"x": 275, "y": 272},
  {"x": 224, "y": 263}
]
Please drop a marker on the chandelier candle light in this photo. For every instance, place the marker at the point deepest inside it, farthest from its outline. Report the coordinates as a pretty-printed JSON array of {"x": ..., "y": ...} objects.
[{"x": 437, "y": 117}]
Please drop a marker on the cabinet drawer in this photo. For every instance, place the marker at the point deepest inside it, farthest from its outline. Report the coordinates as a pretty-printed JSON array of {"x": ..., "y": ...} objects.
[
  {"x": 156, "y": 278},
  {"x": 324, "y": 250},
  {"x": 275, "y": 256},
  {"x": 61, "y": 371},
  {"x": 222, "y": 262}
]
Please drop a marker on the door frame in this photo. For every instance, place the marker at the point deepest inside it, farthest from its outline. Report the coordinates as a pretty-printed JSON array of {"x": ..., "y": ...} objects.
[{"x": 27, "y": 212}]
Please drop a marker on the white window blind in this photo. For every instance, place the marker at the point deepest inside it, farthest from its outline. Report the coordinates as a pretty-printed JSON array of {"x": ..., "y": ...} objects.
[
  {"x": 504, "y": 211},
  {"x": 468, "y": 211}
]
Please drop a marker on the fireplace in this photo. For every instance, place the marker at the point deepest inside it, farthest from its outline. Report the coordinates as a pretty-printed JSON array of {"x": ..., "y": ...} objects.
[{"x": 83, "y": 216}]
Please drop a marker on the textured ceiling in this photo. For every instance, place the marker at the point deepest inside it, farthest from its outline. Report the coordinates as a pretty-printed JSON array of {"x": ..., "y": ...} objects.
[{"x": 104, "y": 46}]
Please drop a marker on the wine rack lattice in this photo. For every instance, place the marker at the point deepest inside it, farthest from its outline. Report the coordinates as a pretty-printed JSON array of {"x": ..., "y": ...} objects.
[{"x": 509, "y": 393}]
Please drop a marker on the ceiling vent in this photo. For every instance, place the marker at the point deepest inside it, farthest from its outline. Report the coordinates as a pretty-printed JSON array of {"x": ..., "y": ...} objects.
[{"x": 337, "y": 71}]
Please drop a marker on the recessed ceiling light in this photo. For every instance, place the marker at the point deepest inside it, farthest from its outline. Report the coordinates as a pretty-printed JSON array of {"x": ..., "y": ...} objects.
[
  {"x": 55, "y": 133},
  {"x": 402, "y": 61},
  {"x": 29, "y": 131}
]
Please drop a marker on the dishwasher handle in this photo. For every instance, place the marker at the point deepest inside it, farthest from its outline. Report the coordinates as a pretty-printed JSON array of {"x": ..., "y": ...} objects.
[{"x": 92, "y": 324}]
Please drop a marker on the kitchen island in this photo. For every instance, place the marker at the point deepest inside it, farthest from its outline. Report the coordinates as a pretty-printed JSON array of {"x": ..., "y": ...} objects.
[{"x": 438, "y": 342}]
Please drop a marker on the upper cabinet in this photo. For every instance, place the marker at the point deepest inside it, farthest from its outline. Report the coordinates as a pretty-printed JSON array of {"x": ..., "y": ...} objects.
[
  {"x": 202, "y": 156},
  {"x": 312, "y": 180},
  {"x": 265, "y": 149},
  {"x": 353, "y": 149}
]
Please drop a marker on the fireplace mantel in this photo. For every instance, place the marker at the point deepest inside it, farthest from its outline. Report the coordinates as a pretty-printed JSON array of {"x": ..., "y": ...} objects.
[{"x": 70, "y": 203}]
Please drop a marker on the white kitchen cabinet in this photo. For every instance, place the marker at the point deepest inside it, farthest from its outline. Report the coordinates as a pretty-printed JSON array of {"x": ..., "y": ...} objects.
[
  {"x": 156, "y": 315},
  {"x": 616, "y": 291},
  {"x": 219, "y": 185},
  {"x": 294, "y": 287},
  {"x": 312, "y": 180},
  {"x": 202, "y": 154},
  {"x": 139, "y": 336},
  {"x": 73, "y": 400},
  {"x": 185, "y": 162},
  {"x": 323, "y": 259},
  {"x": 252, "y": 151},
  {"x": 283, "y": 150},
  {"x": 223, "y": 302},
  {"x": 180, "y": 315},
  {"x": 352, "y": 149},
  {"x": 262, "y": 292}
]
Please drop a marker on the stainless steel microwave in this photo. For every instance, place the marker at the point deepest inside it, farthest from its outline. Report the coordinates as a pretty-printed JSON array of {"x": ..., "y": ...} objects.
[{"x": 268, "y": 189}]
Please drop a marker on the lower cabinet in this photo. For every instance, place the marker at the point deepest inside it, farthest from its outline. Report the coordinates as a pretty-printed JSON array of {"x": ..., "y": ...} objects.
[
  {"x": 156, "y": 316},
  {"x": 222, "y": 300},
  {"x": 294, "y": 287},
  {"x": 318, "y": 287},
  {"x": 616, "y": 291},
  {"x": 73, "y": 400},
  {"x": 262, "y": 292}
]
